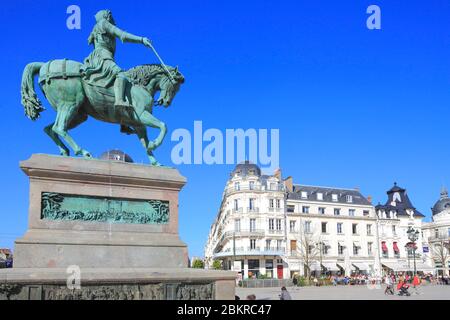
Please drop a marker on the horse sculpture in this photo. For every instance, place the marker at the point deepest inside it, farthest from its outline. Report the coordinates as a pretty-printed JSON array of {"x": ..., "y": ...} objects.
[{"x": 74, "y": 99}]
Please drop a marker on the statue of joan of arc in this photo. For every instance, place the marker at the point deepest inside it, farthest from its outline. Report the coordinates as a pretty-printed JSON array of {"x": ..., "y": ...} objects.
[{"x": 99, "y": 67}]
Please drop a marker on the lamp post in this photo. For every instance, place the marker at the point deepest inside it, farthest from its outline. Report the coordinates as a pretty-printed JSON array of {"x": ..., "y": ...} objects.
[
  {"x": 413, "y": 235},
  {"x": 408, "y": 253},
  {"x": 320, "y": 245}
]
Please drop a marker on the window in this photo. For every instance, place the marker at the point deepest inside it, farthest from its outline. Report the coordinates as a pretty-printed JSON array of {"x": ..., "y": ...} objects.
[
  {"x": 310, "y": 249},
  {"x": 351, "y": 212},
  {"x": 236, "y": 204},
  {"x": 305, "y": 209},
  {"x": 369, "y": 229},
  {"x": 307, "y": 226},
  {"x": 268, "y": 243},
  {"x": 278, "y": 224},
  {"x": 319, "y": 196},
  {"x": 355, "y": 249},
  {"x": 334, "y": 197},
  {"x": 304, "y": 195},
  {"x": 271, "y": 203},
  {"x": 290, "y": 208},
  {"x": 271, "y": 224},
  {"x": 321, "y": 210},
  {"x": 365, "y": 213},
  {"x": 237, "y": 186},
  {"x": 252, "y": 225},
  {"x": 325, "y": 249},
  {"x": 394, "y": 231},
  {"x": 339, "y": 228},
  {"x": 252, "y": 244},
  {"x": 251, "y": 172},
  {"x": 273, "y": 186},
  {"x": 251, "y": 185},
  {"x": 253, "y": 268},
  {"x": 292, "y": 226},
  {"x": 355, "y": 228},
  {"x": 251, "y": 203},
  {"x": 448, "y": 232},
  {"x": 279, "y": 243},
  {"x": 369, "y": 248},
  {"x": 278, "y": 203},
  {"x": 340, "y": 249},
  {"x": 237, "y": 225},
  {"x": 269, "y": 268},
  {"x": 337, "y": 212},
  {"x": 324, "y": 227},
  {"x": 349, "y": 198},
  {"x": 436, "y": 233}
]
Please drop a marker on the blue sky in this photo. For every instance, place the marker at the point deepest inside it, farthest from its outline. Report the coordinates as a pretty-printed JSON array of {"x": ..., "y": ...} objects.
[{"x": 355, "y": 107}]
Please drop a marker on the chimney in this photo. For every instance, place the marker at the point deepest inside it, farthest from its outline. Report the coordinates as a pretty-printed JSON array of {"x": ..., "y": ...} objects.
[
  {"x": 369, "y": 198},
  {"x": 277, "y": 174},
  {"x": 288, "y": 182}
]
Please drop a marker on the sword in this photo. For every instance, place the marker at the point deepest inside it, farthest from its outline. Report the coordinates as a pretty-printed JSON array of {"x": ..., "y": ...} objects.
[{"x": 163, "y": 64}]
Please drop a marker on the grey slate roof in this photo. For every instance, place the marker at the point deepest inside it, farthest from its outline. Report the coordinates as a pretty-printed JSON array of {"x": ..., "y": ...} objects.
[
  {"x": 357, "y": 197},
  {"x": 400, "y": 206}
]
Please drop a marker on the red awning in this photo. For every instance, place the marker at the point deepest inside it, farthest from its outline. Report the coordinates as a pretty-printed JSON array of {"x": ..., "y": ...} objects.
[
  {"x": 384, "y": 247},
  {"x": 396, "y": 249}
]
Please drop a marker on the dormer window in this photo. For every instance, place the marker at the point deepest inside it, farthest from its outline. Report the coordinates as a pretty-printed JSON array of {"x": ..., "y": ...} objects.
[
  {"x": 237, "y": 186},
  {"x": 349, "y": 199},
  {"x": 251, "y": 185},
  {"x": 273, "y": 186},
  {"x": 334, "y": 197},
  {"x": 304, "y": 195},
  {"x": 251, "y": 172},
  {"x": 319, "y": 196}
]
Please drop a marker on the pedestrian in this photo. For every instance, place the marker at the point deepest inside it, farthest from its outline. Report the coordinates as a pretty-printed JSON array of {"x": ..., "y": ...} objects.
[
  {"x": 416, "y": 283},
  {"x": 285, "y": 294},
  {"x": 389, "y": 285},
  {"x": 295, "y": 280},
  {"x": 316, "y": 282}
]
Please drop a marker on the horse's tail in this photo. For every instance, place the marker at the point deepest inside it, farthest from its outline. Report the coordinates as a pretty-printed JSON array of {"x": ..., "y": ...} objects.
[{"x": 33, "y": 106}]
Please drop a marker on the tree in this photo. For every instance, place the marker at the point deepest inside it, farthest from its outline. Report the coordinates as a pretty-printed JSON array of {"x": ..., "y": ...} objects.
[
  {"x": 308, "y": 248},
  {"x": 217, "y": 265},
  {"x": 198, "y": 264},
  {"x": 441, "y": 253}
]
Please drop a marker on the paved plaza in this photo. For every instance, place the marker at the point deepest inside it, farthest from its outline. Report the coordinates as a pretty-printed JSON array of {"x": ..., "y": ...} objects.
[{"x": 428, "y": 292}]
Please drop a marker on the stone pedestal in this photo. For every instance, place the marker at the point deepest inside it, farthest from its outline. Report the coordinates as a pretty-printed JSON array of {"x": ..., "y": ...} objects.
[{"x": 115, "y": 222}]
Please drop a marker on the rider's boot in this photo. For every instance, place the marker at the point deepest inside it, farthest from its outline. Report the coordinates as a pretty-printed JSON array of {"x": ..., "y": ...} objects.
[{"x": 119, "y": 92}]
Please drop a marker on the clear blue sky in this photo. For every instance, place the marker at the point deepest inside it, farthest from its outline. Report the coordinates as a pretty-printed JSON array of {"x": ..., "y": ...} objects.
[{"x": 355, "y": 107}]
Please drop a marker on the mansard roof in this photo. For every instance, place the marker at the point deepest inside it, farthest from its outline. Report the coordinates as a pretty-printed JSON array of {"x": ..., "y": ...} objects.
[
  {"x": 398, "y": 201},
  {"x": 327, "y": 192}
]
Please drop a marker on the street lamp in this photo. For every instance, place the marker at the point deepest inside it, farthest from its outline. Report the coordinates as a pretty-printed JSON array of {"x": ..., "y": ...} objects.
[
  {"x": 413, "y": 235},
  {"x": 320, "y": 245}
]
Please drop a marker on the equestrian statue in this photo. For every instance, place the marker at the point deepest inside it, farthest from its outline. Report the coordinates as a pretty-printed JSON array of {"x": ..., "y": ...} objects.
[{"x": 101, "y": 89}]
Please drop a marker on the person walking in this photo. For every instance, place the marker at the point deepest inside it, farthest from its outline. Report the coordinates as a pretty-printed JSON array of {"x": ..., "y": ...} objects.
[
  {"x": 285, "y": 294},
  {"x": 389, "y": 285},
  {"x": 416, "y": 283}
]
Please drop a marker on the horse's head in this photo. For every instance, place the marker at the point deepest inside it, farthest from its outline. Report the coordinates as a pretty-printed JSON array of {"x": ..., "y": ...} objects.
[{"x": 169, "y": 86}]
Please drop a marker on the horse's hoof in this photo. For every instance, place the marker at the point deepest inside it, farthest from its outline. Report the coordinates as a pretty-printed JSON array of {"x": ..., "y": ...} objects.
[
  {"x": 84, "y": 153},
  {"x": 154, "y": 163},
  {"x": 64, "y": 153}
]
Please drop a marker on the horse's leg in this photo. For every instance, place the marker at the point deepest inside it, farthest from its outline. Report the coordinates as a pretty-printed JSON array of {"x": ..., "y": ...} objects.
[
  {"x": 141, "y": 132},
  {"x": 62, "y": 148},
  {"x": 65, "y": 116},
  {"x": 148, "y": 119}
]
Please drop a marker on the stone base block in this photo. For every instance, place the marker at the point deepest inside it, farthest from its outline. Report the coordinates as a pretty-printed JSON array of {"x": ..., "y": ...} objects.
[{"x": 116, "y": 284}]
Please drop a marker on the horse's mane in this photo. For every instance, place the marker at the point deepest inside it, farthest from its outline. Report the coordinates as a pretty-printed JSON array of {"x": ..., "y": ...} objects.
[{"x": 141, "y": 75}]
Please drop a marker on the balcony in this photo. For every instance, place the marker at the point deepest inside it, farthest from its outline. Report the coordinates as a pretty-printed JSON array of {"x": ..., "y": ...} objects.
[
  {"x": 275, "y": 209},
  {"x": 439, "y": 237},
  {"x": 248, "y": 251},
  {"x": 275, "y": 232},
  {"x": 237, "y": 210},
  {"x": 252, "y": 209}
]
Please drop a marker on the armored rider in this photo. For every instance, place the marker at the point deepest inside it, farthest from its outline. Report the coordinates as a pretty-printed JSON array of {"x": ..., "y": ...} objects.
[{"x": 99, "y": 67}]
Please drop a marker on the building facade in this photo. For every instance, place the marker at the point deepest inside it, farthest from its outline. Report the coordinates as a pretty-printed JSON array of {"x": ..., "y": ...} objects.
[
  {"x": 436, "y": 235},
  {"x": 395, "y": 218},
  {"x": 270, "y": 227}
]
